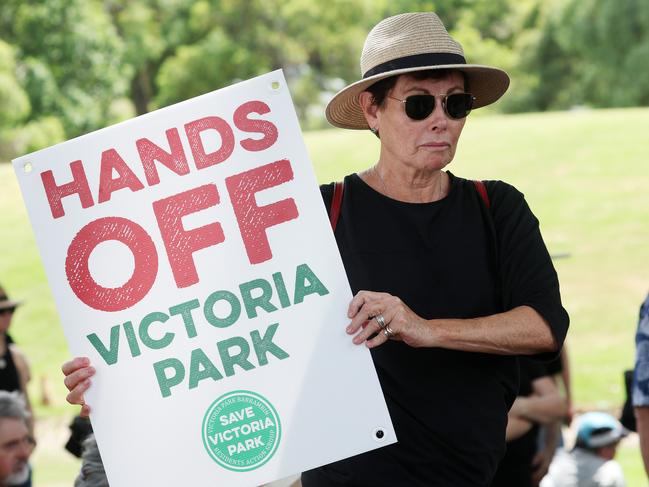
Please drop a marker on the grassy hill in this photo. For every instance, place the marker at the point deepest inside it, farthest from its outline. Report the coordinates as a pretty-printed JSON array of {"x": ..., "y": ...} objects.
[{"x": 585, "y": 174}]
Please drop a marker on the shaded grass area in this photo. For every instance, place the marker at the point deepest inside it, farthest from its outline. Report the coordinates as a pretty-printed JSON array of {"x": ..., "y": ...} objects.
[{"x": 585, "y": 175}]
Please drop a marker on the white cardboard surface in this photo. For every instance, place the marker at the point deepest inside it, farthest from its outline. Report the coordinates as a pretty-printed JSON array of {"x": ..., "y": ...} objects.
[{"x": 325, "y": 393}]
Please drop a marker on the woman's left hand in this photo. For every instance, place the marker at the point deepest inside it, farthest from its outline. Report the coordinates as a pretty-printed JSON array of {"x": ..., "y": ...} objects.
[{"x": 388, "y": 318}]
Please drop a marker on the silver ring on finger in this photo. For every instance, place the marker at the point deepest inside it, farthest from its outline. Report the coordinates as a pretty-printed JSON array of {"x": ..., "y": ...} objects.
[
  {"x": 388, "y": 332},
  {"x": 380, "y": 321}
]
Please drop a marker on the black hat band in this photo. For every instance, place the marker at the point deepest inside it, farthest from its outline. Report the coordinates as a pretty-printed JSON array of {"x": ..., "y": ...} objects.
[{"x": 416, "y": 61}]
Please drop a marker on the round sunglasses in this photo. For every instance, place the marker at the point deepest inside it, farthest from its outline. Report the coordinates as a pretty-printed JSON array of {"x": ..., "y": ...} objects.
[{"x": 455, "y": 105}]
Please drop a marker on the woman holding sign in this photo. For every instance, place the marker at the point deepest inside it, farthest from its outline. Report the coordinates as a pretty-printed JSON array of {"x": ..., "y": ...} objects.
[{"x": 451, "y": 277}]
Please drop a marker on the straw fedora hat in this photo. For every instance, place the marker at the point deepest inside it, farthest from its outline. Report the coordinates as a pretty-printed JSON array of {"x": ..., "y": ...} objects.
[
  {"x": 5, "y": 302},
  {"x": 412, "y": 42}
]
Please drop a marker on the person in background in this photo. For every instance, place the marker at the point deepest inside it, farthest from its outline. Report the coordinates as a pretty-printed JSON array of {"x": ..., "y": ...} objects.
[
  {"x": 92, "y": 472},
  {"x": 80, "y": 429},
  {"x": 538, "y": 403},
  {"x": 550, "y": 435},
  {"x": 640, "y": 388},
  {"x": 451, "y": 278},
  {"x": 14, "y": 368},
  {"x": 591, "y": 462},
  {"x": 16, "y": 443},
  {"x": 564, "y": 373}
]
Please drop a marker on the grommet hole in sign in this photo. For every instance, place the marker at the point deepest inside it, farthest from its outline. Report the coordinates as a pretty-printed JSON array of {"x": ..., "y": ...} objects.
[
  {"x": 28, "y": 167},
  {"x": 379, "y": 434},
  {"x": 275, "y": 85}
]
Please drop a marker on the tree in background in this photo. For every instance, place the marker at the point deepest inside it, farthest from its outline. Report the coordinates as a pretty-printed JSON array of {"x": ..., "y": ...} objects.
[
  {"x": 585, "y": 53},
  {"x": 13, "y": 99},
  {"x": 21, "y": 132},
  {"x": 543, "y": 70},
  {"x": 610, "y": 40},
  {"x": 71, "y": 66},
  {"x": 315, "y": 43}
]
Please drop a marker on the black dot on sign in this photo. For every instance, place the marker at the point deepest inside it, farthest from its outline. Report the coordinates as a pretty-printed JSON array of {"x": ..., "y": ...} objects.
[{"x": 379, "y": 434}]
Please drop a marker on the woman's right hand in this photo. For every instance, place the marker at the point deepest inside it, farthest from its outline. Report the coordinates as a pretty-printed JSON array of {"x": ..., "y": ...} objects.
[{"x": 77, "y": 379}]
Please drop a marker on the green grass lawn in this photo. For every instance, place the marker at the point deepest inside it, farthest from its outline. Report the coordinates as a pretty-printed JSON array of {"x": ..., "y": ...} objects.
[{"x": 586, "y": 176}]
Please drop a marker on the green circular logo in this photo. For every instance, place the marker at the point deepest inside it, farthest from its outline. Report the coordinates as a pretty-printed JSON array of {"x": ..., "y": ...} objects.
[{"x": 241, "y": 431}]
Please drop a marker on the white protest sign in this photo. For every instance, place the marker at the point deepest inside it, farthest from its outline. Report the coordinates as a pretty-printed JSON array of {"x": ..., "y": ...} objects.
[{"x": 191, "y": 258}]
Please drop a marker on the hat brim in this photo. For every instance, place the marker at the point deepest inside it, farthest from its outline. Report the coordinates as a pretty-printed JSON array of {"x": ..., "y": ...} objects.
[
  {"x": 9, "y": 304},
  {"x": 486, "y": 84}
]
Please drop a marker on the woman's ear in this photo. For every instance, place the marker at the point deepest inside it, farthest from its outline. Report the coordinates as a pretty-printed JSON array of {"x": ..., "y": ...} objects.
[{"x": 369, "y": 108}]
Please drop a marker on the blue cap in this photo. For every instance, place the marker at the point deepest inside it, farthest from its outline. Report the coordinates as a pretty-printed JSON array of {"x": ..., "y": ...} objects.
[{"x": 599, "y": 429}]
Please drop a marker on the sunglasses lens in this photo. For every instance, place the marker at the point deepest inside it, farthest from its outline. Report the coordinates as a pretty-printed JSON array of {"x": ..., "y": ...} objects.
[
  {"x": 418, "y": 107},
  {"x": 7, "y": 311},
  {"x": 458, "y": 105}
]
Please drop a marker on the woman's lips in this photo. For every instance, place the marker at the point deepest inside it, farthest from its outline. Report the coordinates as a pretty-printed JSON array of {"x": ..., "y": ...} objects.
[{"x": 437, "y": 145}]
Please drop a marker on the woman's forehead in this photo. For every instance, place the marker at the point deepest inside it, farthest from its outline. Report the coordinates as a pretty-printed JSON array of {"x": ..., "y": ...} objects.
[{"x": 448, "y": 80}]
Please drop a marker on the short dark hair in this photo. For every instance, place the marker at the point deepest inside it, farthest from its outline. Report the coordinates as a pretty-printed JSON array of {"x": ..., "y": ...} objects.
[{"x": 381, "y": 88}]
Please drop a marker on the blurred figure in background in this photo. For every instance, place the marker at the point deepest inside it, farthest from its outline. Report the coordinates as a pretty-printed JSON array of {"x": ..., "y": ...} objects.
[
  {"x": 640, "y": 395},
  {"x": 560, "y": 370},
  {"x": 550, "y": 435},
  {"x": 591, "y": 462},
  {"x": 538, "y": 403},
  {"x": 14, "y": 368},
  {"x": 92, "y": 469},
  {"x": 80, "y": 429},
  {"x": 16, "y": 444}
]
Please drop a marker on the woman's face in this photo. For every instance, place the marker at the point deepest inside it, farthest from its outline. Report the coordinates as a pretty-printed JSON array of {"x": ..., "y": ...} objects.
[
  {"x": 5, "y": 319},
  {"x": 427, "y": 144}
]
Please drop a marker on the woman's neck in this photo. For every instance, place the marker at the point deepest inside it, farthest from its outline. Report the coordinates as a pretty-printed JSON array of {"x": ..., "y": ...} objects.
[{"x": 409, "y": 186}]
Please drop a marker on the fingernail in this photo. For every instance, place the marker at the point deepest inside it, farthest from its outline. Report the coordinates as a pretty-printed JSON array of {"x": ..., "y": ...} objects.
[
  {"x": 91, "y": 371},
  {"x": 349, "y": 329}
]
